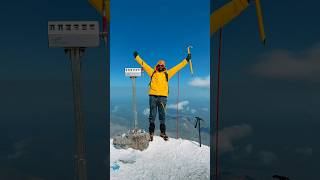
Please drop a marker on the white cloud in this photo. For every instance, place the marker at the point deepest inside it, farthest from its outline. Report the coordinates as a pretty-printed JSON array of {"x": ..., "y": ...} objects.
[
  {"x": 181, "y": 105},
  {"x": 228, "y": 135},
  {"x": 193, "y": 111},
  {"x": 115, "y": 109},
  {"x": 267, "y": 157},
  {"x": 146, "y": 111},
  {"x": 116, "y": 129},
  {"x": 202, "y": 82},
  {"x": 205, "y": 109},
  {"x": 284, "y": 64}
]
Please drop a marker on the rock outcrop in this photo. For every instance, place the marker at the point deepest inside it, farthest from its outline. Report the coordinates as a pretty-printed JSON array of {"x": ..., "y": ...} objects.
[{"x": 135, "y": 139}]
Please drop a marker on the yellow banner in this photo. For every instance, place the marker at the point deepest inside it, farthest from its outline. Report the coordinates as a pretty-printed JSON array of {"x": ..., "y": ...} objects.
[
  {"x": 222, "y": 16},
  {"x": 98, "y": 5}
]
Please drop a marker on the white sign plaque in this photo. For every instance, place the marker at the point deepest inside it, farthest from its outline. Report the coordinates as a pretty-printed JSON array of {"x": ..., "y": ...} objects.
[
  {"x": 62, "y": 34},
  {"x": 133, "y": 72}
]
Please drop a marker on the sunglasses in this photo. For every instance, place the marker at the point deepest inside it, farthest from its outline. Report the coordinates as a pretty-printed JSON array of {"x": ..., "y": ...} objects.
[{"x": 160, "y": 65}]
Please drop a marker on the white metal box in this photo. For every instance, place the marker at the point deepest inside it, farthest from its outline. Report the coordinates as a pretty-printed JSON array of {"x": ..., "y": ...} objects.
[{"x": 62, "y": 34}]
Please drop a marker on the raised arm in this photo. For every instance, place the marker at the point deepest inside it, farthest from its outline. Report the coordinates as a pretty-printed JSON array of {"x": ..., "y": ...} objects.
[
  {"x": 178, "y": 67},
  {"x": 143, "y": 64}
]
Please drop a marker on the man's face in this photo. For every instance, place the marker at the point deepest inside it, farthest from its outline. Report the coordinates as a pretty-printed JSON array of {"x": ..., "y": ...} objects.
[{"x": 161, "y": 66}]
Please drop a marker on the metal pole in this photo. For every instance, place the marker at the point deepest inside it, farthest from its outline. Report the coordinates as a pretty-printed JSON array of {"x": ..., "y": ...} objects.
[
  {"x": 134, "y": 104},
  {"x": 75, "y": 55},
  {"x": 177, "y": 121},
  {"x": 106, "y": 38},
  {"x": 199, "y": 133},
  {"x": 218, "y": 107},
  {"x": 212, "y": 93}
]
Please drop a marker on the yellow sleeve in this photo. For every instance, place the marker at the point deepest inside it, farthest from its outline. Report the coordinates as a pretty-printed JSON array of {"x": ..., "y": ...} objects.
[
  {"x": 144, "y": 65},
  {"x": 177, "y": 68}
]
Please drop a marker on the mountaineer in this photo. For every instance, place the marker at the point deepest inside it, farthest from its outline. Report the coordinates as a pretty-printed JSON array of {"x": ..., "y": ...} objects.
[{"x": 159, "y": 90}]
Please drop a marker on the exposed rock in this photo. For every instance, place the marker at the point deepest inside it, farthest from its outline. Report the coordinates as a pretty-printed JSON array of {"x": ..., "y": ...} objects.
[{"x": 135, "y": 139}]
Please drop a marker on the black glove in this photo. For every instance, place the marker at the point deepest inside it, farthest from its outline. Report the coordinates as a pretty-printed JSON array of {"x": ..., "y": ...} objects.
[
  {"x": 135, "y": 54},
  {"x": 188, "y": 57}
]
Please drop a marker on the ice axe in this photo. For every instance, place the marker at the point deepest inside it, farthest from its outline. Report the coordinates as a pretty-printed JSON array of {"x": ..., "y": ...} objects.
[
  {"x": 198, "y": 119},
  {"x": 190, "y": 62}
]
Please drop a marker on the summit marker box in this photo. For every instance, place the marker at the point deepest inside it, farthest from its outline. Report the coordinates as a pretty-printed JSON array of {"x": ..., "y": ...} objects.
[
  {"x": 133, "y": 72},
  {"x": 63, "y": 34}
]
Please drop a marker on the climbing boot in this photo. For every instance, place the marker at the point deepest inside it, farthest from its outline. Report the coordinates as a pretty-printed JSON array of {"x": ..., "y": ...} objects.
[
  {"x": 164, "y": 136},
  {"x": 151, "y": 131},
  {"x": 151, "y": 136},
  {"x": 163, "y": 132}
]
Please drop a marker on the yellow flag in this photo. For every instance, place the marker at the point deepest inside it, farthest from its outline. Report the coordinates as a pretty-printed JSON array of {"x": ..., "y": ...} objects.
[
  {"x": 222, "y": 16},
  {"x": 98, "y": 5}
]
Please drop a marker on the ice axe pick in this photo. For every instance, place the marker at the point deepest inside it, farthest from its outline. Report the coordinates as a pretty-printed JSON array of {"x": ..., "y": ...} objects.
[{"x": 190, "y": 62}]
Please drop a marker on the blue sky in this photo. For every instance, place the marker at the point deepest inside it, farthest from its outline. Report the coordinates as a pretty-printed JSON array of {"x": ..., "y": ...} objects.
[{"x": 159, "y": 30}]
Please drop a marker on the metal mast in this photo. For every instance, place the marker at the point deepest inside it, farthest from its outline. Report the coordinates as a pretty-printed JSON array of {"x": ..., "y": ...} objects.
[
  {"x": 134, "y": 104},
  {"x": 133, "y": 73},
  {"x": 74, "y": 37},
  {"x": 75, "y": 55}
]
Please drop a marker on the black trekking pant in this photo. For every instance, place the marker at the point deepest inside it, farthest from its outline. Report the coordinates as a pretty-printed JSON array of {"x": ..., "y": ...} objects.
[{"x": 157, "y": 103}]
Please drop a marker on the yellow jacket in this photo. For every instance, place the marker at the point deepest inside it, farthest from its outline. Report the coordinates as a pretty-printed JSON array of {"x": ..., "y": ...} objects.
[{"x": 159, "y": 85}]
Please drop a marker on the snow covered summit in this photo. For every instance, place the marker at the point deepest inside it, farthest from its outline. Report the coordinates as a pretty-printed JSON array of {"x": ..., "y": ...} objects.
[{"x": 162, "y": 160}]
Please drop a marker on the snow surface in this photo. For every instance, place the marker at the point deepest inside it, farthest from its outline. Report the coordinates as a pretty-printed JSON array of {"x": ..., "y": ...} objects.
[{"x": 163, "y": 160}]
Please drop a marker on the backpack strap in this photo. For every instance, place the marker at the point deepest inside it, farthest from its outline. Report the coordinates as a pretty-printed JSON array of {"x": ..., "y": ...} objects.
[
  {"x": 167, "y": 76},
  {"x": 151, "y": 77}
]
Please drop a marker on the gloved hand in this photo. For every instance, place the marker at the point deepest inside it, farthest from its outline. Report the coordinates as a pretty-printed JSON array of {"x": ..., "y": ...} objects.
[
  {"x": 188, "y": 57},
  {"x": 135, "y": 54}
]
